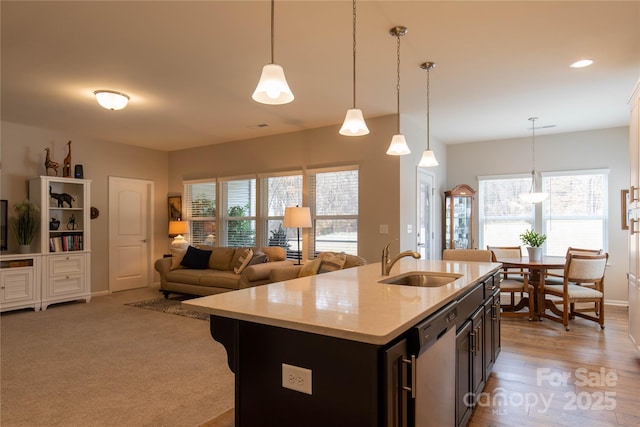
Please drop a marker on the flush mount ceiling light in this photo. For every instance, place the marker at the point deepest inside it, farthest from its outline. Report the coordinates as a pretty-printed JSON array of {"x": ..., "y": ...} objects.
[
  {"x": 398, "y": 146},
  {"x": 272, "y": 87},
  {"x": 581, "y": 63},
  {"x": 111, "y": 100},
  {"x": 532, "y": 196},
  {"x": 354, "y": 124},
  {"x": 428, "y": 157}
]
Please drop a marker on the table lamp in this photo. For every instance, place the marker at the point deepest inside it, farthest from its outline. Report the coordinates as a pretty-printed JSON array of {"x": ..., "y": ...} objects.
[
  {"x": 178, "y": 228},
  {"x": 297, "y": 217}
]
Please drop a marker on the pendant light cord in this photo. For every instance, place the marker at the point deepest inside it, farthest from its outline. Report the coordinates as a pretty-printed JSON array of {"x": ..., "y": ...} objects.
[
  {"x": 398, "y": 83},
  {"x": 533, "y": 154},
  {"x": 272, "y": 25},
  {"x": 354, "y": 53},
  {"x": 428, "y": 125}
]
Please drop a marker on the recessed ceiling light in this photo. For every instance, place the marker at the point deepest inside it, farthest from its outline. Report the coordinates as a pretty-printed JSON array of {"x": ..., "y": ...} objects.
[
  {"x": 582, "y": 63},
  {"x": 260, "y": 125}
]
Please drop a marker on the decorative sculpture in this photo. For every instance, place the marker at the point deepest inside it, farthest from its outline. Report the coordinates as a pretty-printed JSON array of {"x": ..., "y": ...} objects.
[
  {"x": 72, "y": 224},
  {"x": 49, "y": 164},
  {"x": 66, "y": 164},
  {"x": 61, "y": 198}
]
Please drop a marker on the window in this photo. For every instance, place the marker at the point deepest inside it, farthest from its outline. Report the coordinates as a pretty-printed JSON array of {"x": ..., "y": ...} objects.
[
  {"x": 200, "y": 210},
  {"x": 239, "y": 212},
  {"x": 249, "y": 211},
  {"x": 575, "y": 213},
  {"x": 279, "y": 192},
  {"x": 333, "y": 198},
  {"x": 502, "y": 215}
]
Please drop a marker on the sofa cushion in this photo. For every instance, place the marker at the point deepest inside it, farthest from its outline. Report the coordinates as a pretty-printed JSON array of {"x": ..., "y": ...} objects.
[
  {"x": 220, "y": 279},
  {"x": 187, "y": 276},
  {"x": 310, "y": 268},
  {"x": 331, "y": 261},
  {"x": 275, "y": 253},
  {"x": 176, "y": 257},
  {"x": 244, "y": 257},
  {"x": 221, "y": 258},
  {"x": 196, "y": 258}
]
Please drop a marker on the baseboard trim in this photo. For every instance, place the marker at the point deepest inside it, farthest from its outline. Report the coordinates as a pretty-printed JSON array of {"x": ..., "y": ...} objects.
[{"x": 617, "y": 303}]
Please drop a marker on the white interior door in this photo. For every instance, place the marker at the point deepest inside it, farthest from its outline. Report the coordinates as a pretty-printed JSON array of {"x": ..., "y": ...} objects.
[
  {"x": 425, "y": 235},
  {"x": 130, "y": 243}
]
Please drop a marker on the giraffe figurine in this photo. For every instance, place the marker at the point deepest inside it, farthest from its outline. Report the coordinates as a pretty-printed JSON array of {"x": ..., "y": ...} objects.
[
  {"x": 66, "y": 168},
  {"x": 50, "y": 164}
]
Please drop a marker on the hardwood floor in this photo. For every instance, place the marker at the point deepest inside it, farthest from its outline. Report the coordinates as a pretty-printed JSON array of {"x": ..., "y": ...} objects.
[{"x": 548, "y": 376}]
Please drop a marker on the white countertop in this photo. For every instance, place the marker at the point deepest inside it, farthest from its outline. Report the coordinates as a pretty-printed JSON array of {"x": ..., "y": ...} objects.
[{"x": 348, "y": 304}]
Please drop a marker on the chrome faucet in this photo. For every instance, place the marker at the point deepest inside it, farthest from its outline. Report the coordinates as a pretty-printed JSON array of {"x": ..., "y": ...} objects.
[{"x": 387, "y": 264}]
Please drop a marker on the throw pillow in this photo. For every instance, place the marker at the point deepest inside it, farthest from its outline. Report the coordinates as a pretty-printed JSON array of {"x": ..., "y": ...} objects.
[
  {"x": 258, "y": 259},
  {"x": 310, "y": 268},
  {"x": 275, "y": 253},
  {"x": 243, "y": 260},
  {"x": 331, "y": 261},
  {"x": 176, "y": 257},
  {"x": 196, "y": 258}
]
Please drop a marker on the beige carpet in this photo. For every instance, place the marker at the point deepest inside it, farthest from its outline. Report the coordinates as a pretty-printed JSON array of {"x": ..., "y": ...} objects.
[{"x": 108, "y": 364}]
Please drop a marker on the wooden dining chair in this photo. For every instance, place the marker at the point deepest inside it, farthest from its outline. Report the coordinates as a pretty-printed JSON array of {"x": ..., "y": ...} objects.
[
  {"x": 514, "y": 281},
  {"x": 555, "y": 277},
  {"x": 477, "y": 255},
  {"x": 583, "y": 281}
]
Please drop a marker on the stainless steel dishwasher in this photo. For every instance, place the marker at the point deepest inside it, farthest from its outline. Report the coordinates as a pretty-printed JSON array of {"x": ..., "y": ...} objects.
[{"x": 432, "y": 345}]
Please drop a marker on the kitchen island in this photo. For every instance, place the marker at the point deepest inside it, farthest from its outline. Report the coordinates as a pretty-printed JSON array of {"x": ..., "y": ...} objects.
[{"x": 340, "y": 333}]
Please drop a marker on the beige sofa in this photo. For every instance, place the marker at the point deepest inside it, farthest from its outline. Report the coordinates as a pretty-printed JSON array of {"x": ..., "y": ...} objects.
[
  {"x": 325, "y": 262},
  {"x": 217, "y": 275}
]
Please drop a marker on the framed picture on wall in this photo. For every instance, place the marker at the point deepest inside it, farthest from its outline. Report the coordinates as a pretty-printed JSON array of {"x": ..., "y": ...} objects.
[{"x": 175, "y": 208}]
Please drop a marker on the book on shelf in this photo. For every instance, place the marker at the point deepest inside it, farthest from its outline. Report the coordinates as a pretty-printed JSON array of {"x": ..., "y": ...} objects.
[{"x": 66, "y": 243}]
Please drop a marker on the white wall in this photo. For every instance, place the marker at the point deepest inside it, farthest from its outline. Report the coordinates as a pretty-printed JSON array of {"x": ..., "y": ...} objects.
[{"x": 598, "y": 149}]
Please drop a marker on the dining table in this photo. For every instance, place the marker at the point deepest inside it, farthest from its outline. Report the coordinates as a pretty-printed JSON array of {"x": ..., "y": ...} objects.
[{"x": 538, "y": 270}]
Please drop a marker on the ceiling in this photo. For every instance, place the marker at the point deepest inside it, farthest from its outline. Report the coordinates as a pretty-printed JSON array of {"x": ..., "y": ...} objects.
[{"x": 190, "y": 67}]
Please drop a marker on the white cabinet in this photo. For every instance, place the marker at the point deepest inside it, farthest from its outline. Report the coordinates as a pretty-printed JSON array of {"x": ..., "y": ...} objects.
[
  {"x": 634, "y": 218},
  {"x": 65, "y": 277},
  {"x": 64, "y": 238},
  {"x": 20, "y": 282}
]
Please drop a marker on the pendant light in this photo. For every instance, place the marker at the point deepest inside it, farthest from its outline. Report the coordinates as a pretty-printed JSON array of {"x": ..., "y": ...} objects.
[
  {"x": 428, "y": 157},
  {"x": 272, "y": 87},
  {"x": 532, "y": 196},
  {"x": 354, "y": 124},
  {"x": 398, "y": 146}
]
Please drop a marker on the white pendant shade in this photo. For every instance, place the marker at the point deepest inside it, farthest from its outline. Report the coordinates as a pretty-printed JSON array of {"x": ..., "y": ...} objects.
[
  {"x": 533, "y": 197},
  {"x": 111, "y": 100},
  {"x": 354, "y": 124},
  {"x": 272, "y": 88},
  {"x": 428, "y": 159},
  {"x": 398, "y": 146}
]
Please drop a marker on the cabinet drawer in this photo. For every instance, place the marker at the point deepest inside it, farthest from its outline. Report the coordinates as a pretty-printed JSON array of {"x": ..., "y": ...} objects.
[
  {"x": 63, "y": 285},
  {"x": 65, "y": 265}
]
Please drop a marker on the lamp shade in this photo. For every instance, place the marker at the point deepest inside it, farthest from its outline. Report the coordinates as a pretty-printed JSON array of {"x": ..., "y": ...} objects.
[
  {"x": 354, "y": 124},
  {"x": 398, "y": 146},
  {"x": 533, "y": 197},
  {"x": 428, "y": 159},
  {"x": 111, "y": 100},
  {"x": 272, "y": 87},
  {"x": 297, "y": 217},
  {"x": 178, "y": 227}
]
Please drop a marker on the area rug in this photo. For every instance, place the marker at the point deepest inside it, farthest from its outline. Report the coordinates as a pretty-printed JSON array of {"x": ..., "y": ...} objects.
[{"x": 171, "y": 306}]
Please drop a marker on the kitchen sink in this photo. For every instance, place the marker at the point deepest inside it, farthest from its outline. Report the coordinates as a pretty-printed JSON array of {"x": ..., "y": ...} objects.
[{"x": 425, "y": 279}]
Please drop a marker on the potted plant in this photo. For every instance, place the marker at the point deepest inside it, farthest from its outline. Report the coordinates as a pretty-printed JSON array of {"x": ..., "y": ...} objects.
[
  {"x": 26, "y": 224},
  {"x": 533, "y": 241}
]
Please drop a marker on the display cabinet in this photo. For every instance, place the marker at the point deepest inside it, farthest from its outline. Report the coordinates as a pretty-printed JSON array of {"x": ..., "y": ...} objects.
[
  {"x": 64, "y": 238},
  {"x": 459, "y": 217}
]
